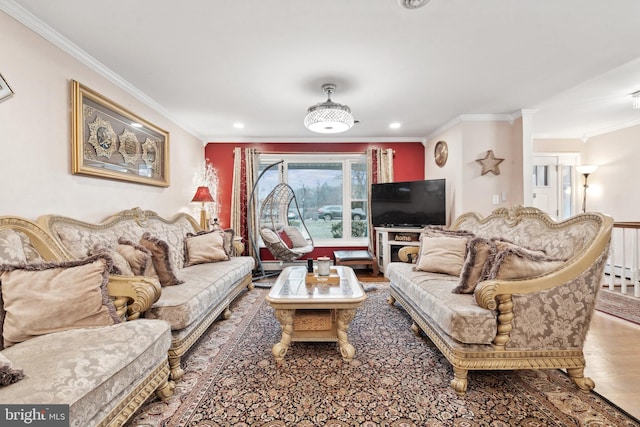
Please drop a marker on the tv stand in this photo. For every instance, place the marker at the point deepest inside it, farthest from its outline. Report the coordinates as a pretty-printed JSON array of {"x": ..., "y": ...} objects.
[{"x": 391, "y": 239}]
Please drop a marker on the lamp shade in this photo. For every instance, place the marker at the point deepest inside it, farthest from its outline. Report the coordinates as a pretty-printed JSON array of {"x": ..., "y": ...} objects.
[
  {"x": 328, "y": 116},
  {"x": 202, "y": 195},
  {"x": 586, "y": 169}
]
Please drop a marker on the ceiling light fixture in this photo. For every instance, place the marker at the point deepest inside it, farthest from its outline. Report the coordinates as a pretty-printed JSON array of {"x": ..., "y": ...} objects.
[
  {"x": 395, "y": 125},
  {"x": 412, "y": 4},
  {"x": 635, "y": 100},
  {"x": 328, "y": 116}
]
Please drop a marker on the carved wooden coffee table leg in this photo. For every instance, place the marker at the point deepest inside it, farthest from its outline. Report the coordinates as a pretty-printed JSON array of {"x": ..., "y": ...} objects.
[
  {"x": 344, "y": 319},
  {"x": 285, "y": 317}
]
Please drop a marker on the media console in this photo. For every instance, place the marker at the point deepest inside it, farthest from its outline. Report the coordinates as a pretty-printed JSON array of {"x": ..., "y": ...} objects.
[{"x": 391, "y": 239}]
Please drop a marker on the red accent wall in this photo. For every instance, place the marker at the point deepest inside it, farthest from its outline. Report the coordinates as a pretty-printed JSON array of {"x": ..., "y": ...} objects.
[{"x": 408, "y": 163}]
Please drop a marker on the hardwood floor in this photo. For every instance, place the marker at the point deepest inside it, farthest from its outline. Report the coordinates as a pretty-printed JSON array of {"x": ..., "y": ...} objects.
[{"x": 612, "y": 352}]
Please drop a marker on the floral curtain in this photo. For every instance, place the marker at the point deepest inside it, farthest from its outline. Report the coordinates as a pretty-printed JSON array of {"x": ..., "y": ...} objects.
[{"x": 243, "y": 218}]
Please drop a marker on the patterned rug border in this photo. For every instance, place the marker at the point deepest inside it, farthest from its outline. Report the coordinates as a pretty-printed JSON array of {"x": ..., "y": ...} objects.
[
  {"x": 624, "y": 307},
  {"x": 204, "y": 364}
]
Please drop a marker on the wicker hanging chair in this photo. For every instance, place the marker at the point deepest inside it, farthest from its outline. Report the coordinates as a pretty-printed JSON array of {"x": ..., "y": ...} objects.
[{"x": 282, "y": 227}]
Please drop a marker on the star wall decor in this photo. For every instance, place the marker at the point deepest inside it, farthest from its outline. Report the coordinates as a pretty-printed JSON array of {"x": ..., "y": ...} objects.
[{"x": 490, "y": 163}]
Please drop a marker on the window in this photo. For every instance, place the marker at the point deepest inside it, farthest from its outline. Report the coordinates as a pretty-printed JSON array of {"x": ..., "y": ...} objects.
[{"x": 331, "y": 191}]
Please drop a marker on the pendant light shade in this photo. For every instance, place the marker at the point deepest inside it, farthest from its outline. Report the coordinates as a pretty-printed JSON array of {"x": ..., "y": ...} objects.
[{"x": 328, "y": 116}]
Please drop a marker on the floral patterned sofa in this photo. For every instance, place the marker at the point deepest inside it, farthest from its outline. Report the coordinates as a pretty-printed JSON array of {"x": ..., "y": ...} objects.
[
  {"x": 514, "y": 290},
  {"x": 195, "y": 292},
  {"x": 70, "y": 334}
]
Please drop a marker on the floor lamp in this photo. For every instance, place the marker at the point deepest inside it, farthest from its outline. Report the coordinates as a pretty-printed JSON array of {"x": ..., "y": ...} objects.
[
  {"x": 203, "y": 195},
  {"x": 585, "y": 170}
]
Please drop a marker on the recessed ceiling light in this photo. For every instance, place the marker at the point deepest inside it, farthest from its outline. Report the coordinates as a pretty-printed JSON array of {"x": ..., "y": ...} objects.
[
  {"x": 238, "y": 125},
  {"x": 395, "y": 125}
]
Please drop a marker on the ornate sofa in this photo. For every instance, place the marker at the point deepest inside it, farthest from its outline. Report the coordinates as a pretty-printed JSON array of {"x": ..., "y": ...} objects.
[
  {"x": 198, "y": 294},
  {"x": 59, "y": 344},
  {"x": 524, "y": 296}
]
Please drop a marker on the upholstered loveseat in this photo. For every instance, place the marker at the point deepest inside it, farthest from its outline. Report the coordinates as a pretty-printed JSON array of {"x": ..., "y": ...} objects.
[
  {"x": 70, "y": 334},
  {"x": 514, "y": 290},
  {"x": 194, "y": 293}
]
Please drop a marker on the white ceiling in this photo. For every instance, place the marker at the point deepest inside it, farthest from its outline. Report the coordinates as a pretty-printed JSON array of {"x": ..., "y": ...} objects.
[{"x": 210, "y": 63}]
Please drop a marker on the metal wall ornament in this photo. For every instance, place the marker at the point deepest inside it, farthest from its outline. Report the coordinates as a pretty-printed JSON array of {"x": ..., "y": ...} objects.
[
  {"x": 5, "y": 90},
  {"x": 490, "y": 163},
  {"x": 106, "y": 141}
]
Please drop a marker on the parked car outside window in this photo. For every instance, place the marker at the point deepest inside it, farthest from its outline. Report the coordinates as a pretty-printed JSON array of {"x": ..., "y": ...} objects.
[{"x": 330, "y": 212}]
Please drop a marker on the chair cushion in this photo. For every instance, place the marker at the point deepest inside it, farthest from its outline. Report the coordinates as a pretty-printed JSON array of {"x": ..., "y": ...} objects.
[{"x": 90, "y": 369}]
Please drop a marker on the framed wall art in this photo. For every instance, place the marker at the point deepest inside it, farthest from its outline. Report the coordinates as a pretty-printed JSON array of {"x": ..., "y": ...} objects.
[
  {"x": 5, "y": 90},
  {"x": 110, "y": 142}
]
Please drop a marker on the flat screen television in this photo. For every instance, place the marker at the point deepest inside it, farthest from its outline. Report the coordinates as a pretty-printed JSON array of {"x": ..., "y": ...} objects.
[{"x": 409, "y": 204}]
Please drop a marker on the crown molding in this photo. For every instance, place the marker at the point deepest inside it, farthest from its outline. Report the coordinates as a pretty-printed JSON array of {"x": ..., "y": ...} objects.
[
  {"x": 48, "y": 33},
  {"x": 586, "y": 135},
  {"x": 510, "y": 117}
]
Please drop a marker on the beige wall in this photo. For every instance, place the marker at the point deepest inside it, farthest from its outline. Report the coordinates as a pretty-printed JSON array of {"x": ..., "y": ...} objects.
[
  {"x": 35, "y": 138},
  {"x": 467, "y": 189},
  {"x": 613, "y": 188}
]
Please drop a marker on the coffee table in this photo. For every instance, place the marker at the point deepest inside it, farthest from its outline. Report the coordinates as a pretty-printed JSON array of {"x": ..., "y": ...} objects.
[{"x": 315, "y": 311}]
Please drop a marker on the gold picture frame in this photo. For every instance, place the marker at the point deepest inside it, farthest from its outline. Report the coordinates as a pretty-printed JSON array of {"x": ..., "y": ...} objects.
[{"x": 110, "y": 142}]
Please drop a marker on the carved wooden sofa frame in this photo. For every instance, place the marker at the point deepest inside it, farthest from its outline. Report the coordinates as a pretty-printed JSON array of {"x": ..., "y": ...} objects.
[
  {"x": 181, "y": 343},
  {"x": 131, "y": 299},
  {"x": 501, "y": 296}
]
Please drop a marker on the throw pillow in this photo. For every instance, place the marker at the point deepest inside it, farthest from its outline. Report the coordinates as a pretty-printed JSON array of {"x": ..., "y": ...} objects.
[
  {"x": 11, "y": 248},
  {"x": 269, "y": 236},
  {"x": 161, "y": 259},
  {"x": 296, "y": 237},
  {"x": 516, "y": 262},
  {"x": 205, "y": 247},
  {"x": 478, "y": 259},
  {"x": 285, "y": 239},
  {"x": 229, "y": 234},
  {"x": 120, "y": 264},
  {"x": 441, "y": 254},
  {"x": 44, "y": 298},
  {"x": 138, "y": 257},
  {"x": 438, "y": 230},
  {"x": 9, "y": 374},
  {"x": 29, "y": 251}
]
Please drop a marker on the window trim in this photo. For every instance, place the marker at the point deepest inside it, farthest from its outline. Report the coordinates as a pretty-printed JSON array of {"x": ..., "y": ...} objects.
[{"x": 347, "y": 159}]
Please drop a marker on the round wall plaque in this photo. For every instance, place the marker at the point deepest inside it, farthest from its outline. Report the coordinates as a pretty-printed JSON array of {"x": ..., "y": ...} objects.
[{"x": 441, "y": 152}]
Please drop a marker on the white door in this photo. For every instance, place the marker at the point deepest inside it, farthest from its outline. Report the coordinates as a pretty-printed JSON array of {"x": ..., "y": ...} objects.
[
  {"x": 554, "y": 184},
  {"x": 545, "y": 187}
]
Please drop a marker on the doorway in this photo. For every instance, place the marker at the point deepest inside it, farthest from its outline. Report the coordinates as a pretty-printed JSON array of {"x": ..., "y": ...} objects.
[{"x": 554, "y": 184}]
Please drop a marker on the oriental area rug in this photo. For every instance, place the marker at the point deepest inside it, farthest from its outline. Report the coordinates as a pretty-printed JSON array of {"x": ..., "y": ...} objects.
[
  {"x": 395, "y": 379},
  {"x": 625, "y": 307}
]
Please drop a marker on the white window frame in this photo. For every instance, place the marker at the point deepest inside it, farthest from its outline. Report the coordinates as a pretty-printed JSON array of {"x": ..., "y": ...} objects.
[{"x": 347, "y": 159}]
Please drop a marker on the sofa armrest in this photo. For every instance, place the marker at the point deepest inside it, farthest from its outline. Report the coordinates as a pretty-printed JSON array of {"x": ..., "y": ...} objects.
[
  {"x": 133, "y": 295},
  {"x": 408, "y": 253}
]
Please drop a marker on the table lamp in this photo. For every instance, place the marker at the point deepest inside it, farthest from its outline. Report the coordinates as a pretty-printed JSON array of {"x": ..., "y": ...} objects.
[{"x": 203, "y": 195}]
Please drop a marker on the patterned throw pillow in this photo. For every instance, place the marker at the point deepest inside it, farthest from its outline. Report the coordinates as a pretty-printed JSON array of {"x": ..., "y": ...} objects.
[
  {"x": 120, "y": 264},
  {"x": 161, "y": 260},
  {"x": 204, "y": 247},
  {"x": 138, "y": 257},
  {"x": 74, "y": 294}
]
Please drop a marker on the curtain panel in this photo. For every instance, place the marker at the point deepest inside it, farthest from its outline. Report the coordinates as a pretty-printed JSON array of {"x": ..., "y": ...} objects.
[{"x": 379, "y": 170}]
